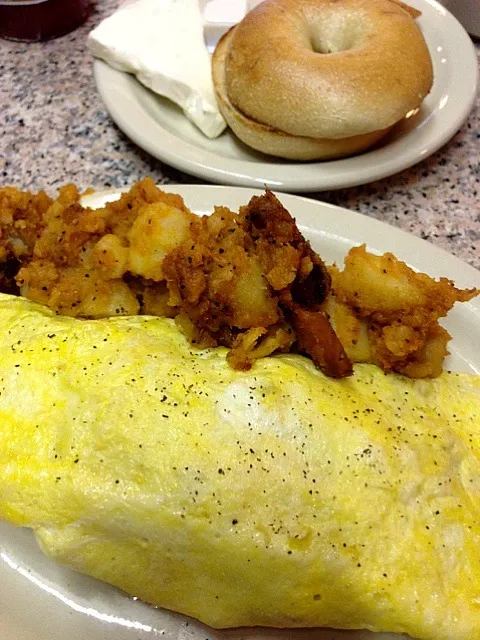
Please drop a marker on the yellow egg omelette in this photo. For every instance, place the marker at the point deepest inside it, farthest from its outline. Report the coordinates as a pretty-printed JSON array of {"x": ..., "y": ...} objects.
[{"x": 274, "y": 497}]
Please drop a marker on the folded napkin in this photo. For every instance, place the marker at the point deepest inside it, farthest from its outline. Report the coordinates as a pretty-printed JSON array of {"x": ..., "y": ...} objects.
[{"x": 162, "y": 43}]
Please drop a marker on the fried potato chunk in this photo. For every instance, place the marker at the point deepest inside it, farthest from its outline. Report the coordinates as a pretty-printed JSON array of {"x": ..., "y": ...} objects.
[
  {"x": 386, "y": 313},
  {"x": 243, "y": 281},
  {"x": 157, "y": 230},
  {"x": 20, "y": 220},
  {"x": 217, "y": 279},
  {"x": 99, "y": 263}
]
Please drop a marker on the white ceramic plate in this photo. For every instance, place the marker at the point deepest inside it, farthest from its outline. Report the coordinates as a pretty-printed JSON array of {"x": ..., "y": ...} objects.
[
  {"x": 41, "y": 600},
  {"x": 160, "y": 128}
]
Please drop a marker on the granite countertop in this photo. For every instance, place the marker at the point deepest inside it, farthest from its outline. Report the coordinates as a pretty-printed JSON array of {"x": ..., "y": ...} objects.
[{"x": 54, "y": 129}]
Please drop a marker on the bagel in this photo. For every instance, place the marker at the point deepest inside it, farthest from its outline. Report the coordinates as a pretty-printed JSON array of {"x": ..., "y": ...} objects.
[{"x": 318, "y": 79}]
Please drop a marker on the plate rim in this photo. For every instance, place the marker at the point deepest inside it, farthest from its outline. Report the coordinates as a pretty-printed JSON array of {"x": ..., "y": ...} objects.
[{"x": 296, "y": 177}]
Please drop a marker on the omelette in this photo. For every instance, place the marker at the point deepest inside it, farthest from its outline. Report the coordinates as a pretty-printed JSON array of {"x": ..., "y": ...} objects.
[{"x": 276, "y": 497}]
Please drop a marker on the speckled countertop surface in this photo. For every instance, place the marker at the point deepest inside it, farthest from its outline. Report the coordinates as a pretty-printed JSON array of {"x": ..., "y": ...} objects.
[{"x": 54, "y": 129}]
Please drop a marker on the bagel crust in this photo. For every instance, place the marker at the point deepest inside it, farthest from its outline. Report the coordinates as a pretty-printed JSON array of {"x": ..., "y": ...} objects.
[{"x": 313, "y": 79}]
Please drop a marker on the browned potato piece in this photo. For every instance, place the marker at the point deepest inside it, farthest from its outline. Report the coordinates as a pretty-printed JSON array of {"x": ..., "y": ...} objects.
[
  {"x": 351, "y": 330},
  {"x": 157, "y": 230},
  {"x": 317, "y": 338},
  {"x": 387, "y": 314}
]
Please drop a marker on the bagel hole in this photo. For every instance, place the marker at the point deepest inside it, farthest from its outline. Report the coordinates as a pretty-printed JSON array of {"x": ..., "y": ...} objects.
[
  {"x": 334, "y": 35},
  {"x": 320, "y": 46},
  {"x": 325, "y": 46}
]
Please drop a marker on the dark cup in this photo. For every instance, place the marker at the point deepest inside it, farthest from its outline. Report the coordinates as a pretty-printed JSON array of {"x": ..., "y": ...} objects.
[{"x": 34, "y": 20}]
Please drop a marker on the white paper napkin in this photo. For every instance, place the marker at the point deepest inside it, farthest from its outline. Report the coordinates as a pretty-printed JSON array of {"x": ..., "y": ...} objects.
[{"x": 162, "y": 43}]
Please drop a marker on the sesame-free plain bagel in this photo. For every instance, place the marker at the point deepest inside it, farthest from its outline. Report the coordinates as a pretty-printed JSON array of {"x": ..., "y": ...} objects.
[{"x": 316, "y": 79}]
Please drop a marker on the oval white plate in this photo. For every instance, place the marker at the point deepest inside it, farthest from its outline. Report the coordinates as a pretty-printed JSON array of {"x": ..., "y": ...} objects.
[
  {"x": 160, "y": 128},
  {"x": 39, "y": 599}
]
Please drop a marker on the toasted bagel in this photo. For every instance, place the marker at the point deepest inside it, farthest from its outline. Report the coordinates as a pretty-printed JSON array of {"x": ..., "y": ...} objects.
[{"x": 316, "y": 79}]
